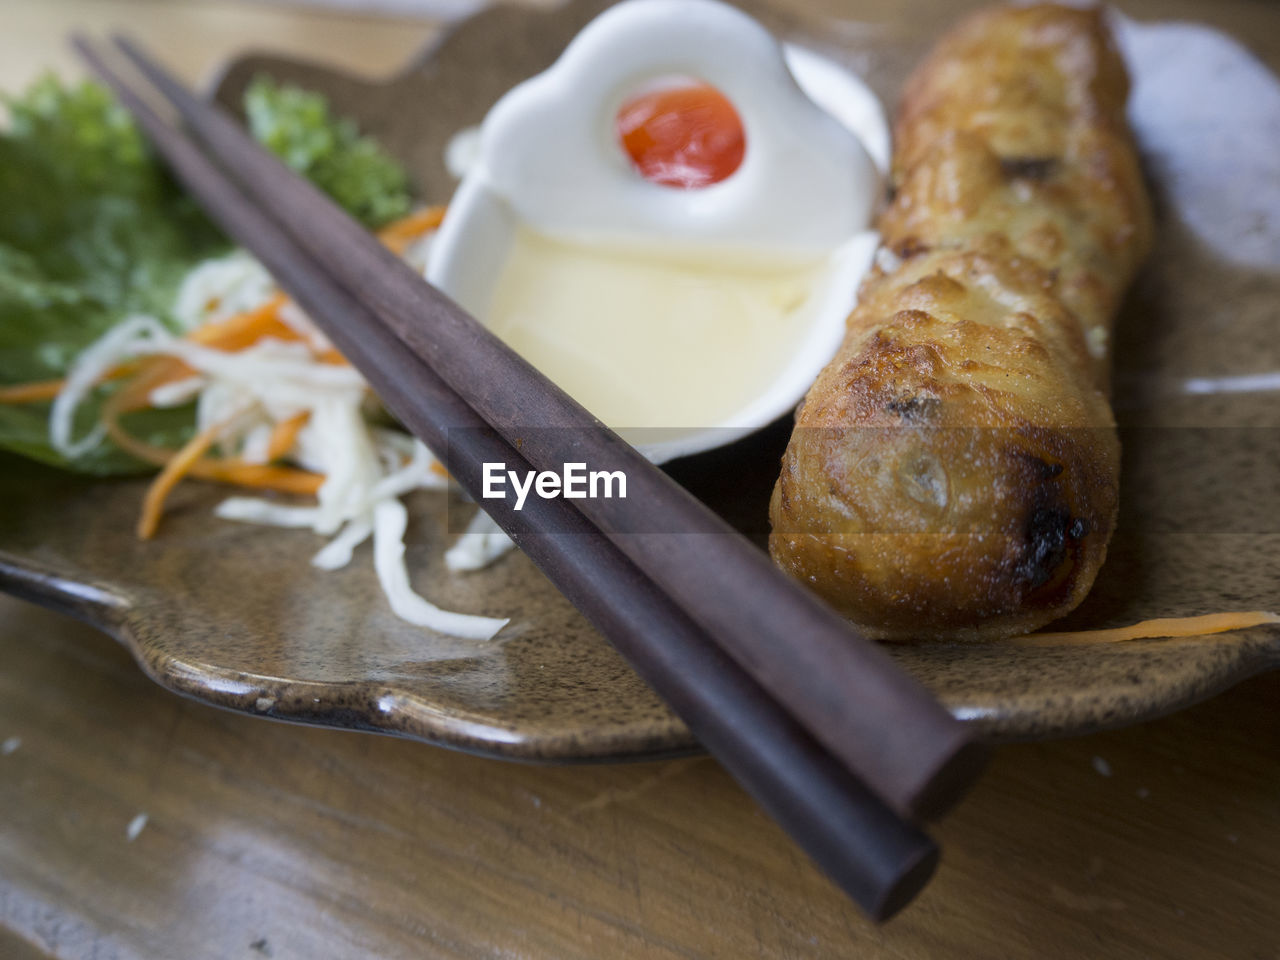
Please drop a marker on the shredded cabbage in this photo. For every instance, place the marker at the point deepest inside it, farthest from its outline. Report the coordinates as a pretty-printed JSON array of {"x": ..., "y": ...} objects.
[
  {"x": 103, "y": 260},
  {"x": 482, "y": 543},
  {"x": 366, "y": 467}
]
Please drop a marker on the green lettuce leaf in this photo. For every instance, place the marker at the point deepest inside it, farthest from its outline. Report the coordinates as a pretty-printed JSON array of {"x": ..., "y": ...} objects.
[
  {"x": 92, "y": 230},
  {"x": 298, "y": 127}
]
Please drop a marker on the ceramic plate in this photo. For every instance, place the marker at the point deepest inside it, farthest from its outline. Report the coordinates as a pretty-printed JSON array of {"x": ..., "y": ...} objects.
[{"x": 234, "y": 615}]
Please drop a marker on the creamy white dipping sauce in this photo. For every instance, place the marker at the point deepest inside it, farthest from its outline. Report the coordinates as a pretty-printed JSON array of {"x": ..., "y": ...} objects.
[{"x": 649, "y": 338}]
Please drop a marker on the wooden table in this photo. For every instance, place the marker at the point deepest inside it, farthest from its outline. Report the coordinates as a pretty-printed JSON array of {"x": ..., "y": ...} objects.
[
  {"x": 136, "y": 824},
  {"x": 265, "y": 840}
]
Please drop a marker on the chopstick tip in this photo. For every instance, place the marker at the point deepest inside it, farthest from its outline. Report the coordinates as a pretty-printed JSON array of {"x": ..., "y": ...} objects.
[{"x": 908, "y": 886}]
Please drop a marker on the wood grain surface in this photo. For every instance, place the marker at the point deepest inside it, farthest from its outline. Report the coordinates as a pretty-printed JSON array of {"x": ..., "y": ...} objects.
[{"x": 265, "y": 840}]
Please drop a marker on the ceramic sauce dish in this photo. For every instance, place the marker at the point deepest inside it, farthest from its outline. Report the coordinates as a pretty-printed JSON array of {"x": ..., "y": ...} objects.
[{"x": 683, "y": 318}]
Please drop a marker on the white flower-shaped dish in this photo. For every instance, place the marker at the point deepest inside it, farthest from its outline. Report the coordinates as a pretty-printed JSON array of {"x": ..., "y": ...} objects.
[{"x": 806, "y": 190}]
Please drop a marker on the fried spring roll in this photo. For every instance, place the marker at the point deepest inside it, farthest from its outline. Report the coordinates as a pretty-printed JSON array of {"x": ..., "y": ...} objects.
[{"x": 953, "y": 472}]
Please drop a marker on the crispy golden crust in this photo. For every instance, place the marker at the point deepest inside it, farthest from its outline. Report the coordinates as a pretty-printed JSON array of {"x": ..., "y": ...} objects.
[{"x": 954, "y": 470}]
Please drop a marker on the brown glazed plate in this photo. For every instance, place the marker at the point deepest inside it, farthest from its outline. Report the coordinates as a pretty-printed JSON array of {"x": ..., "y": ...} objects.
[{"x": 234, "y": 615}]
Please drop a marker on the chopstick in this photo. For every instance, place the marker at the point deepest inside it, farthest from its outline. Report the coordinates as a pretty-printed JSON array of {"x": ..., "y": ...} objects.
[
  {"x": 877, "y": 859},
  {"x": 846, "y": 691}
]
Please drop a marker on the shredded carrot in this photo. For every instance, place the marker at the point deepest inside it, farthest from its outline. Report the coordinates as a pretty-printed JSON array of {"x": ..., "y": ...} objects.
[
  {"x": 136, "y": 394},
  {"x": 331, "y": 356},
  {"x": 233, "y": 472},
  {"x": 1166, "y": 627},
  {"x": 38, "y": 390},
  {"x": 31, "y": 392},
  {"x": 236, "y": 473},
  {"x": 235, "y": 333},
  {"x": 178, "y": 466},
  {"x": 221, "y": 470},
  {"x": 245, "y": 329},
  {"x": 400, "y": 233},
  {"x": 285, "y": 435},
  {"x": 190, "y": 460}
]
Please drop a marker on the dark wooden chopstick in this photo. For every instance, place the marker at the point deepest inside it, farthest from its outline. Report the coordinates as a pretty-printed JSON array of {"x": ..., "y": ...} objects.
[
  {"x": 847, "y": 692},
  {"x": 879, "y": 860}
]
